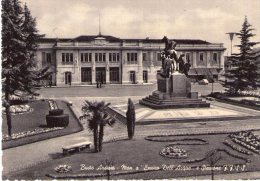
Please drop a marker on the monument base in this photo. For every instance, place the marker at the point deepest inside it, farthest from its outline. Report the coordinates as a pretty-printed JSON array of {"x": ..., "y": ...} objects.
[{"x": 173, "y": 92}]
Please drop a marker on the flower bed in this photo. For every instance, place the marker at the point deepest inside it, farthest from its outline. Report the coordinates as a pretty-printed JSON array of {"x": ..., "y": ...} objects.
[
  {"x": 237, "y": 148},
  {"x": 29, "y": 133},
  {"x": 247, "y": 139},
  {"x": 63, "y": 169},
  {"x": 173, "y": 152},
  {"x": 19, "y": 109},
  {"x": 184, "y": 141}
]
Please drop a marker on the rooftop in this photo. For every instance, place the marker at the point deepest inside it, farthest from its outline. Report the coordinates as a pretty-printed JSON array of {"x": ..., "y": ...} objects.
[{"x": 86, "y": 38}]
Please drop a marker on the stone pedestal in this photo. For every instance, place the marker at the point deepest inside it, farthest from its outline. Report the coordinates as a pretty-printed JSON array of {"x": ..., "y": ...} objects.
[{"x": 173, "y": 92}]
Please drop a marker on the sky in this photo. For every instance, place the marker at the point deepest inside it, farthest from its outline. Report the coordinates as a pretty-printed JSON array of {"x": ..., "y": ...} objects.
[{"x": 208, "y": 20}]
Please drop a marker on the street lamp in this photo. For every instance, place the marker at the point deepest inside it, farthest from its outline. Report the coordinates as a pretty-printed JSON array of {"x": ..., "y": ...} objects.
[{"x": 231, "y": 36}]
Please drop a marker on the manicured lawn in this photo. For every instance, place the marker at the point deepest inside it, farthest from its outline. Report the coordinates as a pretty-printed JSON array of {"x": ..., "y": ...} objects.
[
  {"x": 36, "y": 119},
  {"x": 139, "y": 153}
]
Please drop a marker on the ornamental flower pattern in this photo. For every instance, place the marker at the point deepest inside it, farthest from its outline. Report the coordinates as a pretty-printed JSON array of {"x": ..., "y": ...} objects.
[
  {"x": 174, "y": 152},
  {"x": 63, "y": 168},
  {"x": 247, "y": 139},
  {"x": 19, "y": 109},
  {"x": 29, "y": 133}
]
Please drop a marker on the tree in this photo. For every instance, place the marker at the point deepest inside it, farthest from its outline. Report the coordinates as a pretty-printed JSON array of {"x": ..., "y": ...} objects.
[
  {"x": 243, "y": 74},
  {"x": 130, "y": 117},
  {"x": 97, "y": 117},
  {"x": 19, "y": 43}
]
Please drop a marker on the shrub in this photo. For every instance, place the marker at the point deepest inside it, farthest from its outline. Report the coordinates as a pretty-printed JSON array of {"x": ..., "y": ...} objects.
[
  {"x": 57, "y": 121},
  {"x": 56, "y": 112}
]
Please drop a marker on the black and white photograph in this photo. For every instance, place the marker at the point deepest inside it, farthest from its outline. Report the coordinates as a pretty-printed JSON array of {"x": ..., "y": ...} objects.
[{"x": 130, "y": 89}]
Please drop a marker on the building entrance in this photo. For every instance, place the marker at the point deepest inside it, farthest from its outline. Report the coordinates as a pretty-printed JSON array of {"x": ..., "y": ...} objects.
[
  {"x": 132, "y": 77},
  {"x": 114, "y": 75},
  {"x": 68, "y": 78},
  {"x": 86, "y": 75},
  {"x": 101, "y": 75}
]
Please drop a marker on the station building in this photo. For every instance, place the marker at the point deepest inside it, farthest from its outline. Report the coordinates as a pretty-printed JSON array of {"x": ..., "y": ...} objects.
[{"x": 111, "y": 60}]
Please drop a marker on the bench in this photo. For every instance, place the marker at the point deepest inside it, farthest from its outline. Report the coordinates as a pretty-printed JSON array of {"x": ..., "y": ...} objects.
[{"x": 76, "y": 147}]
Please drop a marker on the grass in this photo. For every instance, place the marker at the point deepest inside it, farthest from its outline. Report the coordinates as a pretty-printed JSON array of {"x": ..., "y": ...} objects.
[
  {"x": 139, "y": 153},
  {"x": 36, "y": 119}
]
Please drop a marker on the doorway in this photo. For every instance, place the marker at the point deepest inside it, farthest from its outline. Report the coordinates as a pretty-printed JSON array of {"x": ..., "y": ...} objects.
[
  {"x": 101, "y": 75},
  {"x": 68, "y": 78},
  {"x": 132, "y": 77}
]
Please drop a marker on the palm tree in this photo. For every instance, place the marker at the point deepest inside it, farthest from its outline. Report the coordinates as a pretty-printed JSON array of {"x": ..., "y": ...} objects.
[{"x": 96, "y": 115}]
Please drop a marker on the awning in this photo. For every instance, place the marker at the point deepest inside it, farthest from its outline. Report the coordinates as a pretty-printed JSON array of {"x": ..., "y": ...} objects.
[
  {"x": 192, "y": 72},
  {"x": 213, "y": 71}
]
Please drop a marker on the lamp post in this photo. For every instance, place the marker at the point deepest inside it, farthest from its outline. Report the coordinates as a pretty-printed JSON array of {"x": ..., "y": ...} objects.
[{"x": 231, "y": 36}]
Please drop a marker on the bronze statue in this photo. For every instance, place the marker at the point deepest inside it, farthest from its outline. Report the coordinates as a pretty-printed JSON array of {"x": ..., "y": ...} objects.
[{"x": 170, "y": 60}]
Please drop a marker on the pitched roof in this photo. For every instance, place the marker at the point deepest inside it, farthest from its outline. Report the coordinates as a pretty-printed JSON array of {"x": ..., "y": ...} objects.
[
  {"x": 93, "y": 37},
  {"x": 84, "y": 38}
]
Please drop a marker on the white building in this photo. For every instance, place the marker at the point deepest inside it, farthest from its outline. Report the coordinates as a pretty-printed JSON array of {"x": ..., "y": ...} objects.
[{"x": 111, "y": 60}]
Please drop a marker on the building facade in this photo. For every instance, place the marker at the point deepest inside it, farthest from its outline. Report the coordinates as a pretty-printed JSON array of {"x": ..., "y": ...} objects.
[{"x": 111, "y": 60}]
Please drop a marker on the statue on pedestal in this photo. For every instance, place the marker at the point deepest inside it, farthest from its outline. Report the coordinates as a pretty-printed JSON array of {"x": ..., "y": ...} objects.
[{"x": 170, "y": 61}]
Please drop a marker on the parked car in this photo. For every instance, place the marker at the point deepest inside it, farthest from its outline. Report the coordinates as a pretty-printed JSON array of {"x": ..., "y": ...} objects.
[{"x": 204, "y": 82}]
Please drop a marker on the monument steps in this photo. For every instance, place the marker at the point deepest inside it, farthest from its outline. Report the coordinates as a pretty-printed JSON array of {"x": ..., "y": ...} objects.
[
  {"x": 173, "y": 102},
  {"x": 166, "y": 105},
  {"x": 173, "y": 99}
]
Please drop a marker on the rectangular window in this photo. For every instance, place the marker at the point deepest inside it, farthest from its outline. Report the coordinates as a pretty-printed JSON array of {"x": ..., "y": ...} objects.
[
  {"x": 63, "y": 57},
  {"x": 215, "y": 57},
  {"x": 104, "y": 57},
  {"x": 117, "y": 55},
  {"x": 96, "y": 57},
  {"x": 144, "y": 56},
  {"x": 85, "y": 57},
  {"x": 201, "y": 56},
  {"x": 114, "y": 57},
  {"x": 110, "y": 57},
  {"x": 145, "y": 76},
  {"x": 71, "y": 57},
  {"x": 132, "y": 58},
  {"x": 67, "y": 58},
  {"x": 158, "y": 56},
  {"x": 90, "y": 57},
  {"x": 188, "y": 57},
  {"x": 100, "y": 57},
  {"x": 48, "y": 57}
]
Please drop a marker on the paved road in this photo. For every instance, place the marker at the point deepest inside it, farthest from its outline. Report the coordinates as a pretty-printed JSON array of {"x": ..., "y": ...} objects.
[{"x": 117, "y": 90}]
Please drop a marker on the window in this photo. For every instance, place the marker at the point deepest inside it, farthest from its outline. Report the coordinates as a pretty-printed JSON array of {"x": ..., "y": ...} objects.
[
  {"x": 67, "y": 58},
  {"x": 215, "y": 57},
  {"x": 158, "y": 56},
  {"x": 144, "y": 56},
  {"x": 188, "y": 58},
  {"x": 132, "y": 58},
  {"x": 145, "y": 76},
  {"x": 48, "y": 57},
  {"x": 113, "y": 57},
  {"x": 85, "y": 57},
  {"x": 100, "y": 57},
  {"x": 114, "y": 74},
  {"x": 201, "y": 56}
]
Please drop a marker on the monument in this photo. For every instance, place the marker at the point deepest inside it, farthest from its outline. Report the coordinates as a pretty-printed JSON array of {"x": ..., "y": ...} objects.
[{"x": 174, "y": 87}]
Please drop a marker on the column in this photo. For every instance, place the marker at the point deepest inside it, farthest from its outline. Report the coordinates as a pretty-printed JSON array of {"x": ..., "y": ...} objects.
[
  {"x": 139, "y": 76},
  {"x": 208, "y": 59},
  {"x": 93, "y": 68},
  {"x": 107, "y": 68},
  {"x": 221, "y": 59},
  {"x": 194, "y": 59}
]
